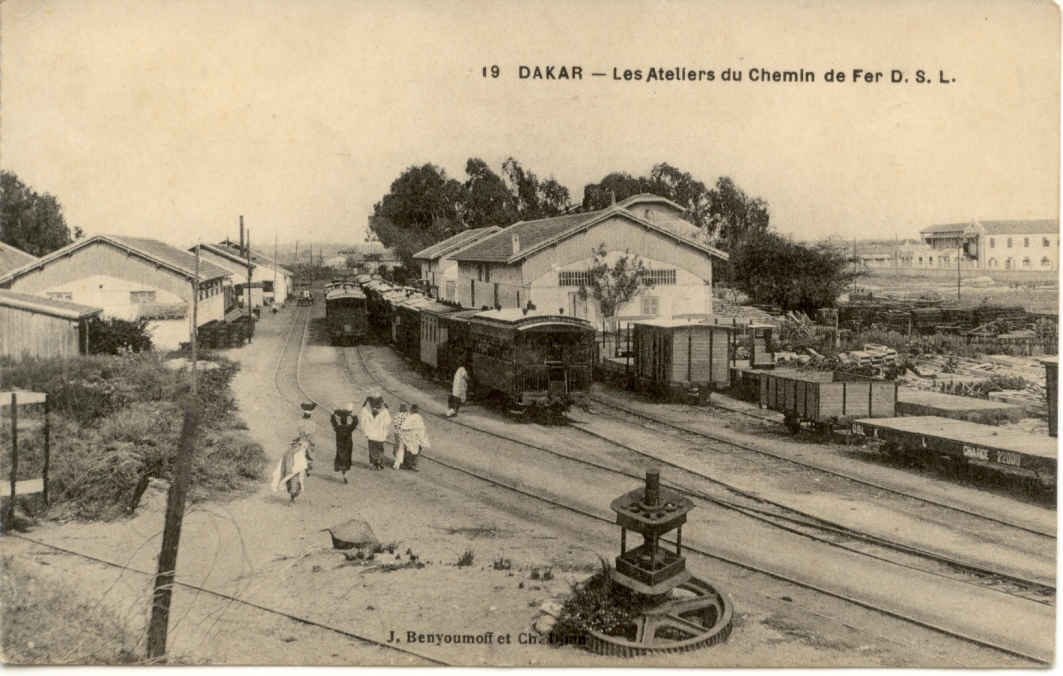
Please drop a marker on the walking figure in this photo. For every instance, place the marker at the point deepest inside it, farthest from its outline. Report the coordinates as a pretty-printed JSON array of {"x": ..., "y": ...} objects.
[
  {"x": 413, "y": 437},
  {"x": 396, "y": 426},
  {"x": 375, "y": 421},
  {"x": 295, "y": 464},
  {"x": 343, "y": 423},
  {"x": 459, "y": 391}
]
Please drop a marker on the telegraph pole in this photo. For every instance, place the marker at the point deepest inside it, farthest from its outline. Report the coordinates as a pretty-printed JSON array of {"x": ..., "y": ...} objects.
[
  {"x": 250, "y": 316},
  {"x": 959, "y": 255},
  {"x": 275, "y": 264},
  {"x": 175, "y": 504}
]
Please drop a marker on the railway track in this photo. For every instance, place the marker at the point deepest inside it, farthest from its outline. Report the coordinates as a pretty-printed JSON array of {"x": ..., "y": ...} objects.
[
  {"x": 691, "y": 545},
  {"x": 727, "y": 445}
]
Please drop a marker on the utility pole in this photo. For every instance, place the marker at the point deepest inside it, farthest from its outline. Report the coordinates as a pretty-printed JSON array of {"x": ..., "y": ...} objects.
[
  {"x": 275, "y": 264},
  {"x": 250, "y": 316},
  {"x": 175, "y": 504},
  {"x": 959, "y": 255}
]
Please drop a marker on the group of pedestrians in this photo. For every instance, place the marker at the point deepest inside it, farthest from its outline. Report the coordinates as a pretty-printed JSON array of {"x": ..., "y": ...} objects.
[{"x": 377, "y": 424}]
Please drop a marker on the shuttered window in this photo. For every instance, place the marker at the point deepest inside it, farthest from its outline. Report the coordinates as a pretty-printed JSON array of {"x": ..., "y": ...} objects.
[
  {"x": 661, "y": 277},
  {"x": 574, "y": 278}
]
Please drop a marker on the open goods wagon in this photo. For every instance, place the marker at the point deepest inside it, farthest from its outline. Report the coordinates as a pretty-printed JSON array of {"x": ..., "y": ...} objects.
[
  {"x": 819, "y": 398},
  {"x": 674, "y": 357}
]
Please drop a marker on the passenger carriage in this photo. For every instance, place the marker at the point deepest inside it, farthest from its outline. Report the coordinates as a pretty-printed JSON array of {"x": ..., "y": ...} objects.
[
  {"x": 345, "y": 313},
  {"x": 530, "y": 361}
]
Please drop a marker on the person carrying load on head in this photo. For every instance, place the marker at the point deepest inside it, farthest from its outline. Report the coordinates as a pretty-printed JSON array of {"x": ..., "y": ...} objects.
[
  {"x": 375, "y": 421},
  {"x": 343, "y": 424},
  {"x": 413, "y": 437},
  {"x": 295, "y": 464},
  {"x": 459, "y": 391}
]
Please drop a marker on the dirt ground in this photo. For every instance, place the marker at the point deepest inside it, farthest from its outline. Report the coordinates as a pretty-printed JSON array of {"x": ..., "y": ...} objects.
[{"x": 259, "y": 550}]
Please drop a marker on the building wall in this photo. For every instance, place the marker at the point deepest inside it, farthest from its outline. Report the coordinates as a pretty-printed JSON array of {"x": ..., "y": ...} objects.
[
  {"x": 26, "y": 334},
  {"x": 1026, "y": 253},
  {"x": 104, "y": 276},
  {"x": 689, "y": 296}
]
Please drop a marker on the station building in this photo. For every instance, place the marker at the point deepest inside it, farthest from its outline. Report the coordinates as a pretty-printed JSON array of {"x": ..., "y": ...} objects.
[
  {"x": 546, "y": 261},
  {"x": 128, "y": 278}
]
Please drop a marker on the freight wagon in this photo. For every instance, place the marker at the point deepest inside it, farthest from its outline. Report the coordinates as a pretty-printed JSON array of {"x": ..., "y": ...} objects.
[
  {"x": 819, "y": 398},
  {"x": 938, "y": 442},
  {"x": 676, "y": 357}
]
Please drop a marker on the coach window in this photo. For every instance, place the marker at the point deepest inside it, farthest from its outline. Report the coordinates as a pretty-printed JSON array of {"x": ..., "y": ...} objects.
[
  {"x": 1045, "y": 262},
  {"x": 1026, "y": 262},
  {"x": 1026, "y": 242},
  {"x": 1009, "y": 242},
  {"x": 1045, "y": 243}
]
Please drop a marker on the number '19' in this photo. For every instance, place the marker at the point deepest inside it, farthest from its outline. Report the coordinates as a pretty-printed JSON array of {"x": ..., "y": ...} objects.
[{"x": 494, "y": 71}]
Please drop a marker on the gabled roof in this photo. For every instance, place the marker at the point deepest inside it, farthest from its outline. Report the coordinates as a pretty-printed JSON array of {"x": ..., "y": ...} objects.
[
  {"x": 257, "y": 257},
  {"x": 454, "y": 243},
  {"x": 535, "y": 235},
  {"x": 47, "y": 306},
  {"x": 1028, "y": 227},
  {"x": 159, "y": 253},
  {"x": 644, "y": 197},
  {"x": 12, "y": 258}
]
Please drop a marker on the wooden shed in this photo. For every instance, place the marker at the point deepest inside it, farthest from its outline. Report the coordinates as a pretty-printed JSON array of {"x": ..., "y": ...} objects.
[
  {"x": 671, "y": 355},
  {"x": 39, "y": 327}
]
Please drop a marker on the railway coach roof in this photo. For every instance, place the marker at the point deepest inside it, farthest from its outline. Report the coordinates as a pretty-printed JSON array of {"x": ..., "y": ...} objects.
[{"x": 522, "y": 322}]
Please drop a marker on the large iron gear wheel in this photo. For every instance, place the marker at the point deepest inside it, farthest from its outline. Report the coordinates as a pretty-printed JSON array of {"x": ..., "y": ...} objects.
[{"x": 696, "y": 617}]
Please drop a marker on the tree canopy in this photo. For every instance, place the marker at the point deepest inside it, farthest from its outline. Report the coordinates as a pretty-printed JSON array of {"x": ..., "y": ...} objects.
[
  {"x": 772, "y": 269},
  {"x": 424, "y": 205},
  {"x": 614, "y": 284},
  {"x": 29, "y": 220}
]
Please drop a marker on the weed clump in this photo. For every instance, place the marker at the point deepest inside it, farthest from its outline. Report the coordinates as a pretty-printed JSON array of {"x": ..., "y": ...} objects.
[
  {"x": 466, "y": 559},
  {"x": 600, "y": 605}
]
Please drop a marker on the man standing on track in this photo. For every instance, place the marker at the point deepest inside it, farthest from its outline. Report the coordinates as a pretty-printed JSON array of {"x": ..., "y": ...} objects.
[
  {"x": 459, "y": 391},
  {"x": 375, "y": 421}
]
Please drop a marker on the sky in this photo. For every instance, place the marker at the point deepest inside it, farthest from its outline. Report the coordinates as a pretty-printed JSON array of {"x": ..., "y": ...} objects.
[{"x": 170, "y": 119}]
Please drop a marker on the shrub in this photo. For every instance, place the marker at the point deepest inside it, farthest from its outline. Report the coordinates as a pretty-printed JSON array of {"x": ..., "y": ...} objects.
[
  {"x": 116, "y": 423},
  {"x": 115, "y": 336}
]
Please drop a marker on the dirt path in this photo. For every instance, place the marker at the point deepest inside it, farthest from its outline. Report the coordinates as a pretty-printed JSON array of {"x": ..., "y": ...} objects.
[{"x": 259, "y": 549}]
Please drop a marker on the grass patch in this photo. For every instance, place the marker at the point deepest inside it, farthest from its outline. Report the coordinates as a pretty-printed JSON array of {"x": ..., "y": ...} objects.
[
  {"x": 115, "y": 424},
  {"x": 466, "y": 559},
  {"x": 43, "y": 625}
]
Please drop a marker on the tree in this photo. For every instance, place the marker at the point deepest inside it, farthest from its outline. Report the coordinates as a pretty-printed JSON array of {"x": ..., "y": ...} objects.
[
  {"x": 772, "y": 269},
  {"x": 421, "y": 208},
  {"x": 733, "y": 216},
  {"x": 28, "y": 220},
  {"x": 616, "y": 284},
  {"x": 613, "y": 187},
  {"x": 486, "y": 200},
  {"x": 534, "y": 198}
]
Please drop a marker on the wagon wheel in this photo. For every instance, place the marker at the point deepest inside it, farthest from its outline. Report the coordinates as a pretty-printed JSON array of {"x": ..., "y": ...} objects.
[
  {"x": 702, "y": 618},
  {"x": 792, "y": 424}
]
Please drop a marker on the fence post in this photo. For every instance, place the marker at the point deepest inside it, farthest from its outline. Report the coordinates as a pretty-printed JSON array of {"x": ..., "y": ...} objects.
[
  {"x": 14, "y": 460},
  {"x": 47, "y": 444}
]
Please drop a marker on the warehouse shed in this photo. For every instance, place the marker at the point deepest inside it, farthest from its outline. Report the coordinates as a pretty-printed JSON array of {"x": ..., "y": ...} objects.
[{"x": 37, "y": 327}]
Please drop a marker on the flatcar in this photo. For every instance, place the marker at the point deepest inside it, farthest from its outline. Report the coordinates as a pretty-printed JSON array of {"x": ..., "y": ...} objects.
[
  {"x": 345, "y": 313},
  {"x": 943, "y": 442}
]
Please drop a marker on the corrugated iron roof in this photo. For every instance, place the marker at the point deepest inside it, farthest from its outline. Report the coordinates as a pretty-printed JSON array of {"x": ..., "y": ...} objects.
[
  {"x": 152, "y": 250},
  {"x": 499, "y": 246},
  {"x": 533, "y": 235},
  {"x": 13, "y": 258},
  {"x": 47, "y": 306},
  {"x": 455, "y": 242}
]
